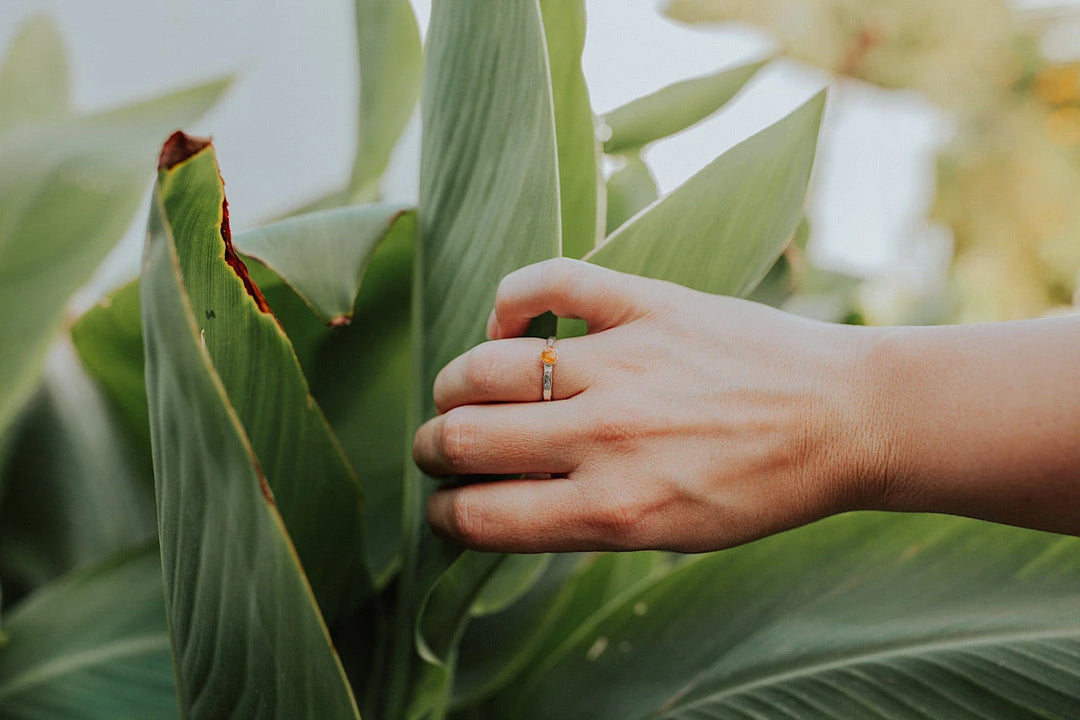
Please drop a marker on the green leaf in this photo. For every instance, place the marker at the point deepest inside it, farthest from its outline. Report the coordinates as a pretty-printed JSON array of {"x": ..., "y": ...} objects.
[
  {"x": 360, "y": 376},
  {"x": 477, "y": 584},
  {"x": 578, "y": 147},
  {"x": 389, "y": 60},
  {"x": 91, "y": 646},
  {"x": 247, "y": 635},
  {"x": 572, "y": 589},
  {"x": 108, "y": 338},
  {"x": 673, "y": 108},
  {"x": 314, "y": 487},
  {"x": 858, "y": 616},
  {"x": 488, "y": 178},
  {"x": 513, "y": 578},
  {"x": 606, "y": 579},
  {"x": 722, "y": 229},
  {"x": 74, "y": 492},
  {"x": 484, "y": 666},
  {"x": 323, "y": 255},
  {"x": 785, "y": 275},
  {"x": 388, "y": 42},
  {"x": 35, "y": 84},
  {"x": 67, "y": 194},
  {"x": 547, "y": 616},
  {"x": 445, "y": 608},
  {"x": 630, "y": 189},
  {"x": 488, "y": 204}
]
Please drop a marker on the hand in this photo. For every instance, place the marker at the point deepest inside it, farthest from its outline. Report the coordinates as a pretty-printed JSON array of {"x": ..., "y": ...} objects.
[{"x": 682, "y": 421}]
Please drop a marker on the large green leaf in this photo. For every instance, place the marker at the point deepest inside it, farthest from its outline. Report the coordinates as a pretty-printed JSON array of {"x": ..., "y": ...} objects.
[
  {"x": 247, "y": 635},
  {"x": 858, "y": 616},
  {"x": 361, "y": 379},
  {"x": 323, "y": 255},
  {"x": 35, "y": 84},
  {"x": 68, "y": 191},
  {"x": 359, "y": 374},
  {"x": 673, "y": 108},
  {"x": 579, "y": 149},
  {"x": 488, "y": 204},
  {"x": 75, "y": 492},
  {"x": 91, "y": 646},
  {"x": 723, "y": 229},
  {"x": 488, "y": 179},
  {"x": 631, "y": 188},
  {"x": 314, "y": 487}
]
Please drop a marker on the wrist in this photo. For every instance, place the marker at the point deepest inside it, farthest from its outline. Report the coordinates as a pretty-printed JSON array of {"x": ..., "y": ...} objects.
[
  {"x": 846, "y": 461},
  {"x": 868, "y": 473},
  {"x": 892, "y": 369}
]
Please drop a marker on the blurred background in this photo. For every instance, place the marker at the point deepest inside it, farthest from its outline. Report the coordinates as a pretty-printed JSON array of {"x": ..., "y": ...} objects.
[{"x": 948, "y": 178}]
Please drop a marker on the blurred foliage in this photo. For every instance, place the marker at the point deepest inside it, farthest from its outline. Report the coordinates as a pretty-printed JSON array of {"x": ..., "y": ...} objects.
[
  {"x": 262, "y": 415},
  {"x": 1009, "y": 179}
]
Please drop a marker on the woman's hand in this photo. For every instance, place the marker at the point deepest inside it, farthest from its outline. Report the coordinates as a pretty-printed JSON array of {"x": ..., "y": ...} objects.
[{"x": 682, "y": 421}]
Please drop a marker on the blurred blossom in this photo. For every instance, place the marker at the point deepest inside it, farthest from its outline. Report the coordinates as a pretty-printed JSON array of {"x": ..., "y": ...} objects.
[{"x": 1008, "y": 183}]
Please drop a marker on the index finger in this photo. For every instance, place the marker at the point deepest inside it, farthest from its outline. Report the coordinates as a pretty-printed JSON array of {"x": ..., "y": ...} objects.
[{"x": 568, "y": 288}]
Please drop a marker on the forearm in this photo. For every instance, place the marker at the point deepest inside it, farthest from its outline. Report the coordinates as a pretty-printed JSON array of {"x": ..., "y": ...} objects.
[{"x": 979, "y": 420}]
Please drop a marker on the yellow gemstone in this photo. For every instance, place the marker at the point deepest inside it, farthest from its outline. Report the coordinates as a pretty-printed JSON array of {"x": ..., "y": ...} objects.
[{"x": 549, "y": 355}]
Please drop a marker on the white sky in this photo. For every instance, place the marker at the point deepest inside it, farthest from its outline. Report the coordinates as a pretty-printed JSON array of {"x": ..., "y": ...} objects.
[{"x": 284, "y": 133}]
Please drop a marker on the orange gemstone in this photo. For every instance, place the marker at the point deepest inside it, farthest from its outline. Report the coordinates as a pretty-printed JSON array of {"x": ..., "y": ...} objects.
[{"x": 549, "y": 355}]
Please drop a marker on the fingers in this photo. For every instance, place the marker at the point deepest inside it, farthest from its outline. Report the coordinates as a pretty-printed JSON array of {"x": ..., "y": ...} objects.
[
  {"x": 498, "y": 439},
  {"x": 556, "y": 515},
  {"x": 568, "y": 288},
  {"x": 510, "y": 371}
]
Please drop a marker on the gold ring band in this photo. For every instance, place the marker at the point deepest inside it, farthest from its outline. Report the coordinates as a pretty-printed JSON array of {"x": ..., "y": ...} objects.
[{"x": 548, "y": 357}]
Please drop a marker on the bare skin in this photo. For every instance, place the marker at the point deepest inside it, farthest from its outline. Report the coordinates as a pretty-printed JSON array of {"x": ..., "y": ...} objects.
[{"x": 694, "y": 422}]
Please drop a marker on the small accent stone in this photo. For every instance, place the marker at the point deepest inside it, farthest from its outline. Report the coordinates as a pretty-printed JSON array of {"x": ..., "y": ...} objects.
[{"x": 549, "y": 355}]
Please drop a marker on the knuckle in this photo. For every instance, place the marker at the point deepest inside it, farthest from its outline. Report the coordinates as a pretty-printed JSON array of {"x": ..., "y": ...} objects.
[
  {"x": 621, "y": 521},
  {"x": 464, "y": 519},
  {"x": 619, "y": 431},
  {"x": 562, "y": 279},
  {"x": 481, "y": 376},
  {"x": 456, "y": 440}
]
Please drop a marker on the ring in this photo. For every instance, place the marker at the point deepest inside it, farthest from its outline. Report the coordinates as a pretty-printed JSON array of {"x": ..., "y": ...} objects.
[{"x": 548, "y": 357}]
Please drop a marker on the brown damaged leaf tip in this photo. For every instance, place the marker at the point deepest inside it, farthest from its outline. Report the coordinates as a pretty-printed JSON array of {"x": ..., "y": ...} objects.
[
  {"x": 178, "y": 148},
  {"x": 237, "y": 264}
]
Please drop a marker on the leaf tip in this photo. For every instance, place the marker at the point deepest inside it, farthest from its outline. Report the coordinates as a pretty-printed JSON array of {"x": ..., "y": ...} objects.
[
  {"x": 179, "y": 147},
  {"x": 340, "y": 321}
]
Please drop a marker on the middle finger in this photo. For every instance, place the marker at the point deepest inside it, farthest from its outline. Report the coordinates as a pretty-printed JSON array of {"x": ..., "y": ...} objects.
[
  {"x": 510, "y": 371},
  {"x": 511, "y": 438}
]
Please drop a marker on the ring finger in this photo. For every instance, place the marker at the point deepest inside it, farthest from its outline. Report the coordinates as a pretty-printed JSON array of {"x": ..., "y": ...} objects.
[{"x": 510, "y": 371}]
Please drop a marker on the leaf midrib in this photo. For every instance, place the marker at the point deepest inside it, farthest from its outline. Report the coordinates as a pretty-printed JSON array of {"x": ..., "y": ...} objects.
[
  {"x": 98, "y": 655},
  {"x": 907, "y": 650}
]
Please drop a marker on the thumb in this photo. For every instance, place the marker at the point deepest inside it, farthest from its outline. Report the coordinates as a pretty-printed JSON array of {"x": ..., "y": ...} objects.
[{"x": 568, "y": 288}]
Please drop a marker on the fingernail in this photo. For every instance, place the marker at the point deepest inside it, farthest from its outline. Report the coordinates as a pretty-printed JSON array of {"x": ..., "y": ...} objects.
[{"x": 492, "y": 326}]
